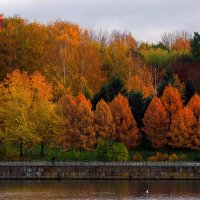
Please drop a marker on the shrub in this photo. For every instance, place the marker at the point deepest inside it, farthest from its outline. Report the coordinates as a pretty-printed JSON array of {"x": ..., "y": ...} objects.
[
  {"x": 163, "y": 157},
  {"x": 158, "y": 157},
  {"x": 111, "y": 151},
  {"x": 173, "y": 157},
  {"x": 137, "y": 157},
  {"x": 11, "y": 153},
  {"x": 182, "y": 156}
]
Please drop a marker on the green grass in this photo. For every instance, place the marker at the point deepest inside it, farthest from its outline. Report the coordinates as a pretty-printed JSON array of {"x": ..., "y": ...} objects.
[{"x": 11, "y": 152}]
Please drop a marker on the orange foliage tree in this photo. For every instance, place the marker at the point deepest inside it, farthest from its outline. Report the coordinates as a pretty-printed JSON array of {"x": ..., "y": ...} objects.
[
  {"x": 171, "y": 101},
  {"x": 126, "y": 127},
  {"x": 84, "y": 122},
  {"x": 156, "y": 123},
  {"x": 181, "y": 44},
  {"x": 103, "y": 120},
  {"x": 194, "y": 105},
  {"x": 182, "y": 129},
  {"x": 78, "y": 120},
  {"x": 66, "y": 109}
]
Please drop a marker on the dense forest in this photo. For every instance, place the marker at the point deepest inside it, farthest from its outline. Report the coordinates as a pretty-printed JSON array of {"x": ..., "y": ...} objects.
[{"x": 67, "y": 87}]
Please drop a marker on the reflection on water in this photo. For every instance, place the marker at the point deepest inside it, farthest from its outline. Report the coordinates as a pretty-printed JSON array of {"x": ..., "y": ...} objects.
[{"x": 50, "y": 190}]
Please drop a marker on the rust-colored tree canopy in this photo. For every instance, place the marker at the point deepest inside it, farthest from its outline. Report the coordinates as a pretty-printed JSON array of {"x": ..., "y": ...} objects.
[
  {"x": 125, "y": 124},
  {"x": 156, "y": 123},
  {"x": 103, "y": 119},
  {"x": 181, "y": 134},
  {"x": 171, "y": 101},
  {"x": 66, "y": 87}
]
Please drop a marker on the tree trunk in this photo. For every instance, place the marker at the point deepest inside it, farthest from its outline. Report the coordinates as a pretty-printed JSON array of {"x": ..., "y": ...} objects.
[
  {"x": 20, "y": 149},
  {"x": 42, "y": 149}
]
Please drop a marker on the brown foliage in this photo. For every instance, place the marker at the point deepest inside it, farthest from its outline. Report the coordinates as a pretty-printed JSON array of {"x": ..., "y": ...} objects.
[{"x": 188, "y": 70}]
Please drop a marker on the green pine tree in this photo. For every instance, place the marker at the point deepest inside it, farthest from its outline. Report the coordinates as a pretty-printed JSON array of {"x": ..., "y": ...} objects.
[
  {"x": 189, "y": 91},
  {"x": 195, "y": 46}
]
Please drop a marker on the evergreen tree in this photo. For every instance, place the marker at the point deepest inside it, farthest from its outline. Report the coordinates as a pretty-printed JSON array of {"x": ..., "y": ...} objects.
[
  {"x": 189, "y": 91},
  {"x": 160, "y": 45},
  {"x": 195, "y": 46},
  {"x": 109, "y": 90},
  {"x": 137, "y": 105},
  {"x": 167, "y": 79}
]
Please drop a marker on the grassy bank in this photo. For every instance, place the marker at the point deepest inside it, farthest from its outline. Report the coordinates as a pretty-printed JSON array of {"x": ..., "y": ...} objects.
[{"x": 11, "y": 152}]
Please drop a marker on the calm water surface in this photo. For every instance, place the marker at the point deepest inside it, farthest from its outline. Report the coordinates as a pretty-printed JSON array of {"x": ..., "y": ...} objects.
[{"x": 50, "y": 190}]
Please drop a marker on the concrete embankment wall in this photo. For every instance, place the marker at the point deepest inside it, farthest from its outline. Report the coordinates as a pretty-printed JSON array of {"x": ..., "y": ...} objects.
[{"x": 64, "y": 170}]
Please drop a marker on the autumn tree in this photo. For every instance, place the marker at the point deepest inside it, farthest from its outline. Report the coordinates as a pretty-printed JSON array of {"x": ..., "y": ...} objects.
[
  {"x": 84, "y": 123},
  {"x": 171, "y": 101},
  {"x": 89, "y": 63},
  {"x": 43, "y": 111},
  {"x": 181, "y": 44},
  {"x": 197, "y": 137},
  {"x": 126, "y": 127},
  {"x": 117, "y": 55},
  {"x": 66, "y": 109},
  {"x": 27, "y": 109},
  {"x": 33, "y": 42},
  {"x": 64, "y": 38},
  {"x": 194, "y": 105},
  {"x": 182, "y": 129},
  {"x": 9, "y": 45},
  {"x": 78, "y": 132},
  {"x": 16, "y": 109},
  {"x": 103, "y": 121},
  {"x": 155, "y": 123},
  {"x": 174, "y": 39}
]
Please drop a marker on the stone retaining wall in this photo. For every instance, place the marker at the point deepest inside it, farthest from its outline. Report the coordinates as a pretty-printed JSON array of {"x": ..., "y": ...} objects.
[{"x": 48, "y": 170}]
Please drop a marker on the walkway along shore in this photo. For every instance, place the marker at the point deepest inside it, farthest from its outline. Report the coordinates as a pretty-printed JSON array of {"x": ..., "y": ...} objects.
[{"x": 99, "y": 170}]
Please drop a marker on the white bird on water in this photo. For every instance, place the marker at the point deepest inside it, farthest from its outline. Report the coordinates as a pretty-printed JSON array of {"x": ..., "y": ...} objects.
[{"x": 147, "y": 191}]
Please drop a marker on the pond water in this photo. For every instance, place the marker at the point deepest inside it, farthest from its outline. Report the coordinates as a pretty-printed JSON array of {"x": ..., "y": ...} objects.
[{"x": 95, "y": 189}]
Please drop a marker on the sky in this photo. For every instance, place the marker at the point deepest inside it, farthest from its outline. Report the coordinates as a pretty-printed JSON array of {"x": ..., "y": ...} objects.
[{"x": 147, "y": 20}]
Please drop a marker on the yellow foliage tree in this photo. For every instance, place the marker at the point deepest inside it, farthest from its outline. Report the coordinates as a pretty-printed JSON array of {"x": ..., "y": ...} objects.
[
  {"x": 16, "y": 109},
  {"x": 28, "y": 113}
]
